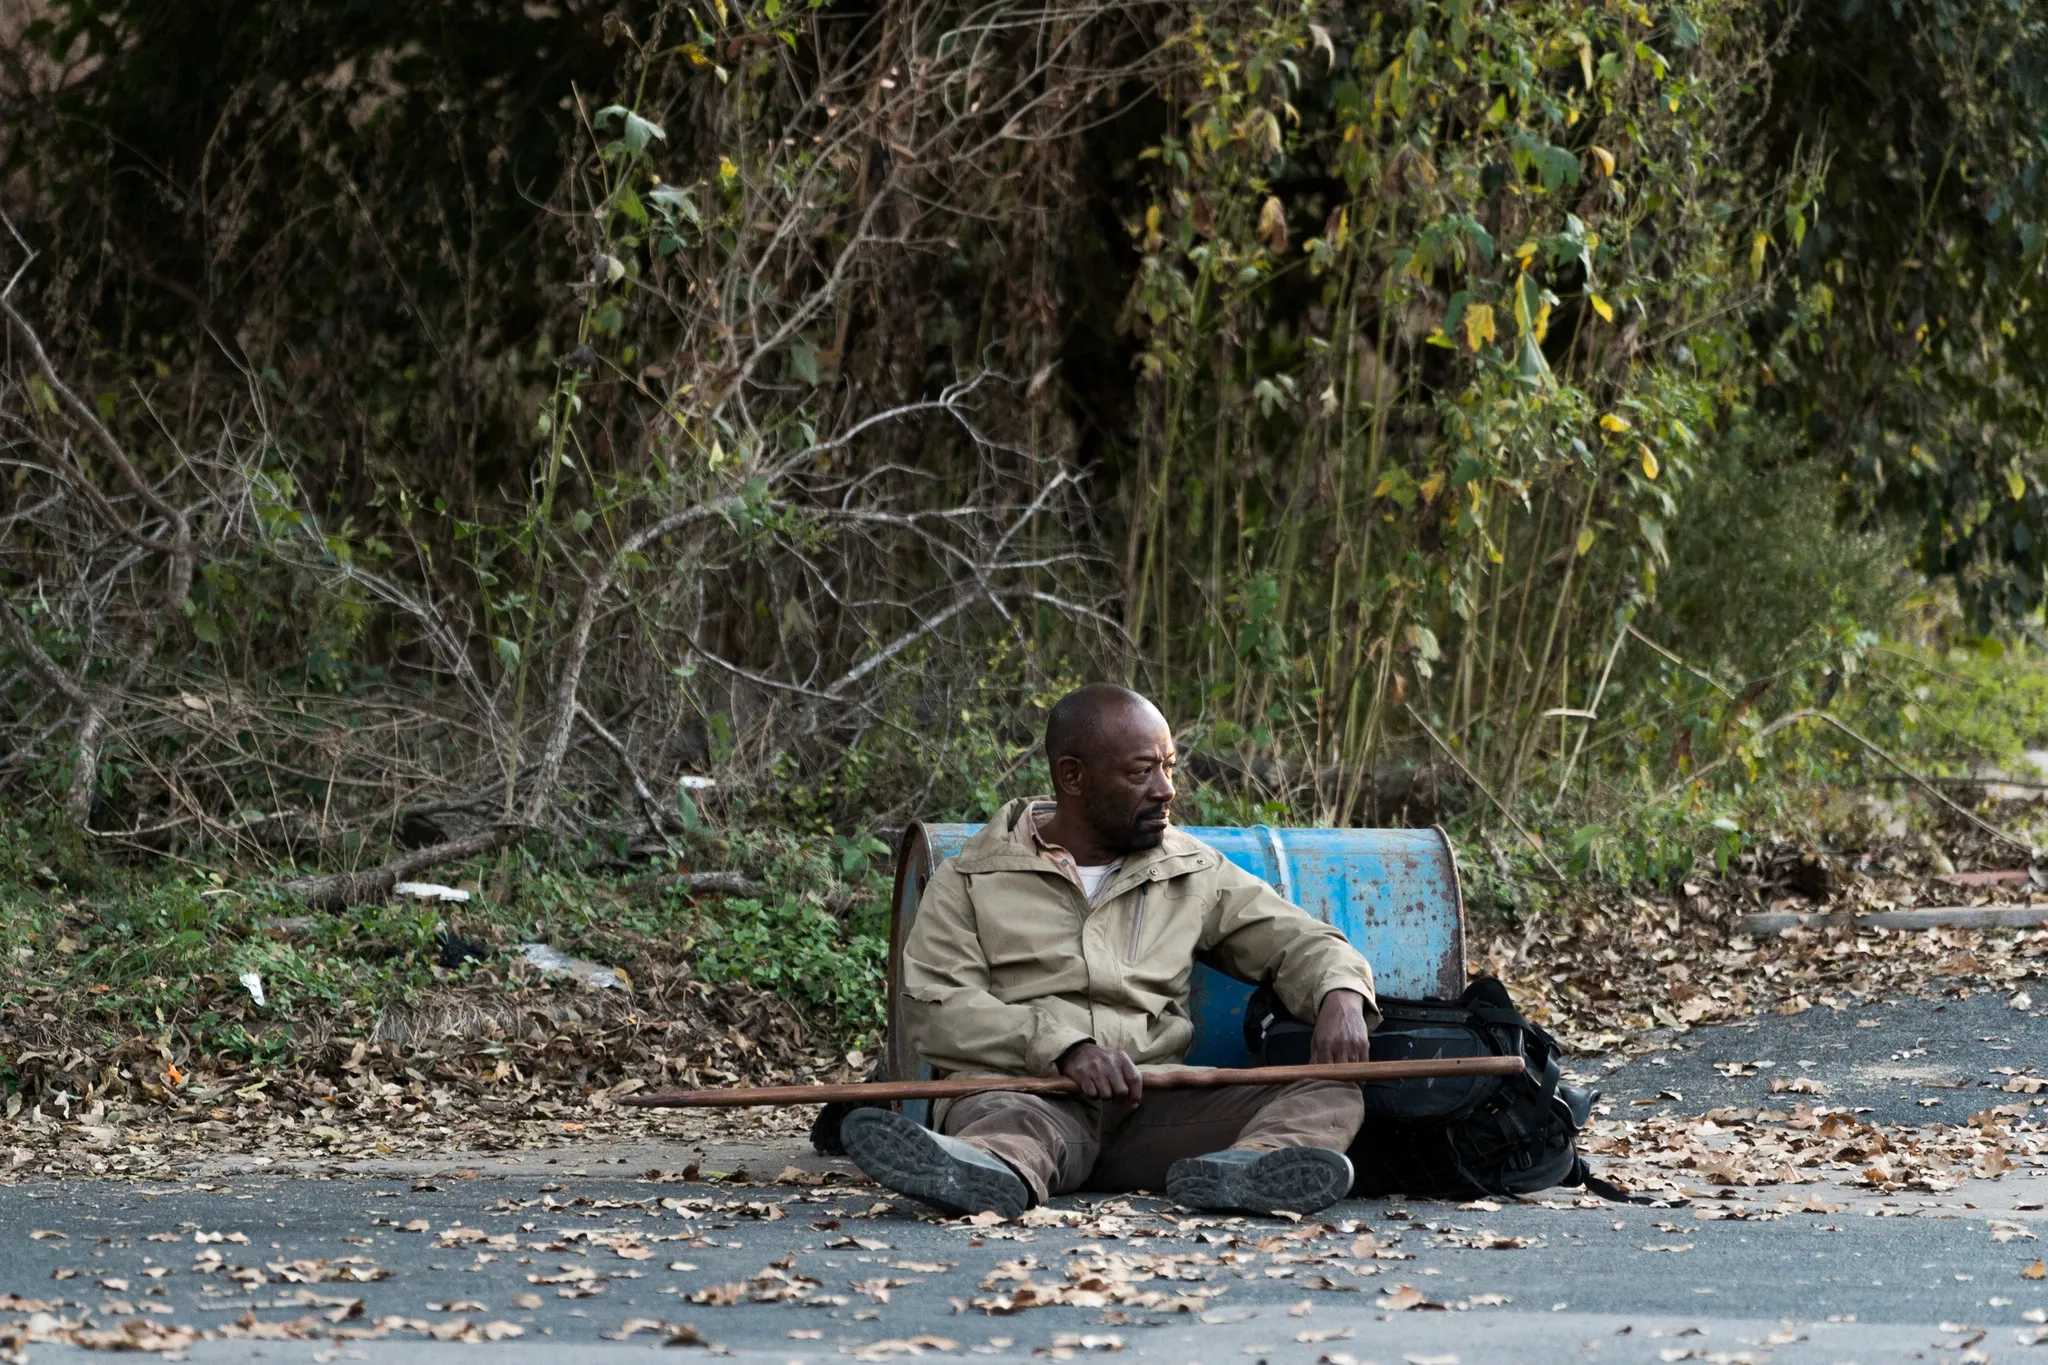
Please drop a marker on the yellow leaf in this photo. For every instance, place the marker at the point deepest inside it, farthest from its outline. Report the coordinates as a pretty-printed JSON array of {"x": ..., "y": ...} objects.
[
  {"x": 1478, "y": 325},
  {"x": 726, "y": 170},
  {"x": 1542, "y": 328},
  {"x": 1757, "y": 247},
  {"x": 1649, "y": 462},
  {"x": 1586, "y": 63},
  {"x": 1152, "y": 238},
  {"x": 1586, "y": 538},
  {"x": 1602, "y": 307},
  {"x": 1273, "y": 225},
  {"x": 2036, "y": 1271},
  {"x": 1525, "y": 251},
  {"x": 1614, "y": 421},
  {"x": 2016, "y": 484},
  {"x": 1605, "y": 158},
  {"x": 1432, "y": 486}
]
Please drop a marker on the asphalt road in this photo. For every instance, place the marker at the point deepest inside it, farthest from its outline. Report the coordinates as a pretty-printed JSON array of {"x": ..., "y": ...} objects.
[{"x": 1894, "y": 1278}]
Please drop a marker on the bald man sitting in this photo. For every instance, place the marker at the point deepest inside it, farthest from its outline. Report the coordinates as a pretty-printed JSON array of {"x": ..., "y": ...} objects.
[{"x": 1061, "y": 940}]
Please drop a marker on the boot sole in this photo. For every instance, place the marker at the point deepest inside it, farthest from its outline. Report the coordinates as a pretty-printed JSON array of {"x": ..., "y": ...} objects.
[
  {"x": 1289, "y": 1180},
  {"x": 909, "y": 1159}
]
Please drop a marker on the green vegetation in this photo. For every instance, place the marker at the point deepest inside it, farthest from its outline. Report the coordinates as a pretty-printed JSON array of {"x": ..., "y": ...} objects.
[{"x": 593, "y": 446}]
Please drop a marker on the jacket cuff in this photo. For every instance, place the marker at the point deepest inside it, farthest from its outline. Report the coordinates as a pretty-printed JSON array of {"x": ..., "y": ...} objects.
[
  {"x": 1049, "y": 1042},
  {"x": 1349, "y": 982}
]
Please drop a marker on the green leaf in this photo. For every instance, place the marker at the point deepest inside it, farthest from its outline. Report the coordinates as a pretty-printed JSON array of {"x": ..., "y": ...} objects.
[
  {"x": 668, "y": 200},
  {"x": 629, "y": 204},
  {"x": 1482, "y": 240},
  {"x": 1560, "y": 167},
  {"x": 804, "y": 361},
  {"x": 687, "y": 812},
  {"x": 1653, "y": 536},
  {"x": 508, "y": 653},
  {"x": 639, "y": 131},
  {"x": 1455, "y": 314}
]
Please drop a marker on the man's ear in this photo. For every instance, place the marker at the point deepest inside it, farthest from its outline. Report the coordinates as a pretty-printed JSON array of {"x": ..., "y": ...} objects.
[{"x": 1066, "y": 775}]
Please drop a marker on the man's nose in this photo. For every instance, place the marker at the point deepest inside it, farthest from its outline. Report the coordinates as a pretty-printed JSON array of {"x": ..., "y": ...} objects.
[{"x": 1160, "y": 789}]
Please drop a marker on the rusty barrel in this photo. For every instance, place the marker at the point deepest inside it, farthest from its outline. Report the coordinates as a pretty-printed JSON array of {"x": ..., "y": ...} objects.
[{"x": 1394, "y": 893}]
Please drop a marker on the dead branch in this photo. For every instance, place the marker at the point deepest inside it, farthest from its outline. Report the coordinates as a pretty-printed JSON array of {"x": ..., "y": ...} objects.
[{"x": 339, "y": 890}]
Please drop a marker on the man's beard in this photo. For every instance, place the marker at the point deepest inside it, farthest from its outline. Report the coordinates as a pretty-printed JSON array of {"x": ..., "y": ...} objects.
[{"x": 1124, "y": 831}]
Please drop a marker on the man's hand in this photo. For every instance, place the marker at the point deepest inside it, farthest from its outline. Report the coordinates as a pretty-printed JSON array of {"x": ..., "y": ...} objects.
[
  {"x": 1340, "y": 1030},
  {"x": 1102, "y": 1074}
]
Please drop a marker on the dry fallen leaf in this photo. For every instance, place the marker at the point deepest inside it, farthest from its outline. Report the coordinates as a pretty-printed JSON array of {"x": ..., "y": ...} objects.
[
  {"x": 529, "y": 1301},
  {"x": 2036, "y": 1271},
  {"x": 890, "y": 1348},
  {"x": 1322, "y": 1334},
  {"x": 1078, "y": 1341},
  {"x": 718, "y": 1295},
  {"x": 1302, "y": 1309}
]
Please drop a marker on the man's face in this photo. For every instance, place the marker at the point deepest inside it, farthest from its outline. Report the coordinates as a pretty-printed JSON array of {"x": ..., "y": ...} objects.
[{"x": 1126, "y": 787}]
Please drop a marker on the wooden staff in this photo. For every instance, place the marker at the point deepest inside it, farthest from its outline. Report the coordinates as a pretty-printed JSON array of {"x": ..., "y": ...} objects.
[{"x": 958, "y": 1086}]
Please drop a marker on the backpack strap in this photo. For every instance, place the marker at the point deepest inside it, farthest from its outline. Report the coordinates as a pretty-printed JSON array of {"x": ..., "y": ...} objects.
[{"x": 1582, "y": 1175}]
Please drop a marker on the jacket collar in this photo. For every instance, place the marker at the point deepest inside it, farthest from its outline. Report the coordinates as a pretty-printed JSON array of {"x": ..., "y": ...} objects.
[{"x": 1005, "y": 845}]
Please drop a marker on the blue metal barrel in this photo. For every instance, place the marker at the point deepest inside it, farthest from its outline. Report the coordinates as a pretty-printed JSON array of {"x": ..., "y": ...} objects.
[{"x": 1394, "y": 893}]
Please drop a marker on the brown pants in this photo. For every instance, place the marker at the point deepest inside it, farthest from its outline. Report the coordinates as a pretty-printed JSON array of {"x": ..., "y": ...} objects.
[{"x": 1062, "y": 1145}]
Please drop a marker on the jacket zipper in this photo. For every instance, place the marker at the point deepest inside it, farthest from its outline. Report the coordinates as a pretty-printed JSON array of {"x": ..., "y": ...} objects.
[{"x": 1137, "y": 924}]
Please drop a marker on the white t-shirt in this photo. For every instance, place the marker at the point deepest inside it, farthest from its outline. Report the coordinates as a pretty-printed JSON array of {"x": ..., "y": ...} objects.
[{"x": 1092, "y": 878}]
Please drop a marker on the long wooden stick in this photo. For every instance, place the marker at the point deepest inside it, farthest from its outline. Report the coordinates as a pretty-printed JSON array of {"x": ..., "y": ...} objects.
[{"x": 1204, "y": 1079}]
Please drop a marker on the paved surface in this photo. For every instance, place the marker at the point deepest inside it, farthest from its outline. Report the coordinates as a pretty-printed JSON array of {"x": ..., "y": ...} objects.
[
  {"x": 1905, "y": 1061},
  {"x": 1881, "y": 1279}
]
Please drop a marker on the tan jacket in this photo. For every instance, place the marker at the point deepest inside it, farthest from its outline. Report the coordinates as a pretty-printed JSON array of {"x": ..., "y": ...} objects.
[{"x": 1008, "y": 965}]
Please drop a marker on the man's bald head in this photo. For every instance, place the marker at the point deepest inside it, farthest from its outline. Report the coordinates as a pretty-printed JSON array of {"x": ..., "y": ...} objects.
[
  {"x": 1111, "y": 755},
  {"x": 1079, "y": 721}
]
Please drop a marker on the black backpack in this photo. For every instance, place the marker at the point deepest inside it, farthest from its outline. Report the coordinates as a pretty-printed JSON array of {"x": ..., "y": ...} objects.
[{"x": 1457, "y": 1136}]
